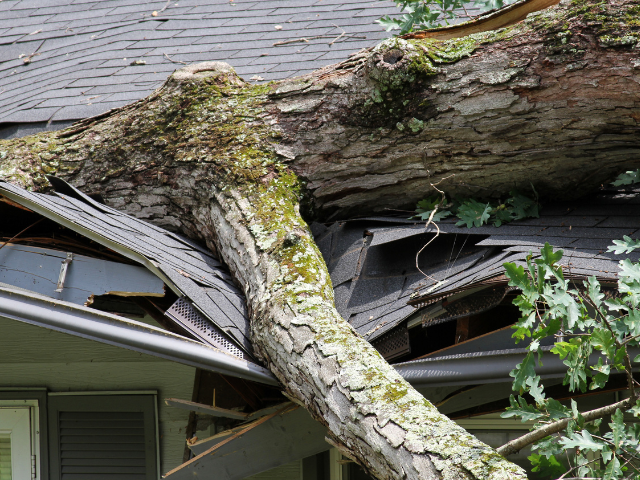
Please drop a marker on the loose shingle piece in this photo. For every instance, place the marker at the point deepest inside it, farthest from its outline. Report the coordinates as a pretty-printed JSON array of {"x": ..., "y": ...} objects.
[
  {"x": 189, "y": 270},
  {"x": 372, "y": 261}
]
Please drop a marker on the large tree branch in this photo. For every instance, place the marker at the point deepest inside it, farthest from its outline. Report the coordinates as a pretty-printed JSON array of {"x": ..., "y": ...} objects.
[{"x": 234, "y": 164}]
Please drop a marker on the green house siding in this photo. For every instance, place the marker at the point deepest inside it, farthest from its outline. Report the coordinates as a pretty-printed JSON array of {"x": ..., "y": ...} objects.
[{"x": 37, "y": 357}]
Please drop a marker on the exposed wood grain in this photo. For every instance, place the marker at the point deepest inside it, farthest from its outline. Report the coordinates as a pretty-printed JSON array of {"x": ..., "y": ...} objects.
[
  {"x": 285, "y": 435},
  {"x": 184, "y": 470},
  {"x": 205, "y": 409}
]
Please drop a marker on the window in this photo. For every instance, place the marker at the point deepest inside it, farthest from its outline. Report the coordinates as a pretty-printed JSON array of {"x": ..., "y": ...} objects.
[{"x": 15, "y": 443}]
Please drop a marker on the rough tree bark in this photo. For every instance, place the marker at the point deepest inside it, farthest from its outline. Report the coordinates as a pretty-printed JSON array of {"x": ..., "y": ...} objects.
[{"x": 554, "y": 101}]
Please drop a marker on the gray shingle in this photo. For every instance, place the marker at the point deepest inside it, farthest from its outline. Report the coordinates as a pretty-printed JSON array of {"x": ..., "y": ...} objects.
[
  {"x": 95, "y": 30},
  {"x": 232, "y": 19},
  {"x": 584, "y": 232},
  {"x": 275, "y": 60},
  {"x": 78, "y": 16},
  {"x": 106, "y": 80},
  {"x": 32, "y": 115},
  {"x": 29, "y": 24},
  {"x": 13, "y": 52},
  {"x": 165, "y": 44},
  {"x": 371, "y": 293},
  {"x": 208, "y": 24},
  {"x": 505, "y": 240},
  {"x": 52, "y": 10},
  {"x": 127, "y": 97},
  {"x": 145, "y": 69},
  {"x": 388, "y": 321},
  {"x": 5, "y": 7},
  {"x": 221, "y": 302},
  {"x": 141, "y": 88},
  {"x": 84, "y": 111},
  {"x": 344, "y": 268},
  {"x": 133, "y": 31},
  {"x": 620, "y": 221},
  {"x": 299, "y": 66},
  {"x": 62, "y": 102},
  {"x": 33, "y": 4},
  {"x": 341, "y": 295}
]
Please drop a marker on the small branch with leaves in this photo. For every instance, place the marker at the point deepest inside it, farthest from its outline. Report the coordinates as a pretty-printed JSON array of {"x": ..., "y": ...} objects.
[
  {"x": 587, "y": 324},
  {"x": 425, "y": 14}
]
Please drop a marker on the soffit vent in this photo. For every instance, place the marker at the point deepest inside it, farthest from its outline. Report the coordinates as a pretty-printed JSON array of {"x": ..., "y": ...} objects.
[
  {"x": 473, "y": 304},
  {"x": 190, "y": 319},
  {"x": 393, "y": 344}
]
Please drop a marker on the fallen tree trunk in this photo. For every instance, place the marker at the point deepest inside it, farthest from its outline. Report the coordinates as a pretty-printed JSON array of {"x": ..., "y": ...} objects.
[{"x": 553, "y": 101}]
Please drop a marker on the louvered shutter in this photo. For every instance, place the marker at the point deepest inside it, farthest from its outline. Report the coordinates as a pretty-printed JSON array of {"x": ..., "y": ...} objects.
[
  {"x": 102, "y": 443},
  {"x": 103, "y": 438}
]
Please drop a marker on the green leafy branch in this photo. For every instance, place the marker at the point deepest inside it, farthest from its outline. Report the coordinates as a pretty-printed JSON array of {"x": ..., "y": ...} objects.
[
  {"x": 583, "y": 323},
  {"x": 629, "y": 177},
  {"x": 424, "y": 14},
  {"x": 474, "y": 213}
]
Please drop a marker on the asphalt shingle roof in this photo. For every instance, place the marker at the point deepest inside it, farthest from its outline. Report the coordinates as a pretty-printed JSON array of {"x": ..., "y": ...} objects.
[{"x": 81, "y": 51}]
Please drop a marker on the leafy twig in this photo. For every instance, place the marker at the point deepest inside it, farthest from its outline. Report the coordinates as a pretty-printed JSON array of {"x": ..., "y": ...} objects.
[
  {"x": 628, "y": 368},
  {"x": 519, "y": 443}
]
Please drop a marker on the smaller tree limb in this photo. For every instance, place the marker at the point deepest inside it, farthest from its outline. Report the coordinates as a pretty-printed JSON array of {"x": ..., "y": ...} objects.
[
  {"x": 572, "y": 469},
  {"x": 519, "y": 443}
]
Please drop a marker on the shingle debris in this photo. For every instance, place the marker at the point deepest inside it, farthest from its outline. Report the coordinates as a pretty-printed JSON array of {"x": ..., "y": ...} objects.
[
  {"x": 195, "y": 272},
  {"x": 372, "y": 260}
]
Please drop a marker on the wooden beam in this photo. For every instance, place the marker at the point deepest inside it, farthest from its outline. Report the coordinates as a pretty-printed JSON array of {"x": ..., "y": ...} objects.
[
  {"x": 205, "y": 409},
  {"x": 220, "y": 412}
]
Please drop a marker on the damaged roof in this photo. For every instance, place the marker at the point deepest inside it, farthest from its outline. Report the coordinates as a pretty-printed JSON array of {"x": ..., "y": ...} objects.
[
  {"x": 210, "y": 307},
  {"x": 64, "y": 60},
  {"x": 372, "y": 261}
]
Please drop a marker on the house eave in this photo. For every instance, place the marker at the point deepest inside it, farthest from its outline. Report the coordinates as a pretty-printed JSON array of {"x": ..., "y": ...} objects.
[{"x": 34, "y": 309}]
